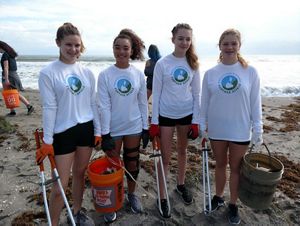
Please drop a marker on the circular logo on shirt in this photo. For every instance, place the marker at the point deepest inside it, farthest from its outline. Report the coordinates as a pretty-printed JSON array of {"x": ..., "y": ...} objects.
[
  {"x": 123, "y": 86},
  {"x": 180, "y": 75},
  {"x": 74, "y": 84},
  {"x": 229, "y": 83}
]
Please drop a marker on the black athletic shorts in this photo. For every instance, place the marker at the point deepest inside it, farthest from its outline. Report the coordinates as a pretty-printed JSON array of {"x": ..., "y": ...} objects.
[
  {"x": 164, "y": 121},
  {"x": 235, "y": 142},
  {"x": 80, "y": 135}
]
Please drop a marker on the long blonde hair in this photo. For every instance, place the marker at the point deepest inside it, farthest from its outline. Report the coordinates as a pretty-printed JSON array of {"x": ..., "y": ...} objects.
[
  {"x": 237, "y": 34},
  {"x": 191, "y": 55}
]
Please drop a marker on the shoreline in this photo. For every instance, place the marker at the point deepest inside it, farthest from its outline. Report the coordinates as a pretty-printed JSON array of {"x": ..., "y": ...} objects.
[{"x": 20, "y": 191}]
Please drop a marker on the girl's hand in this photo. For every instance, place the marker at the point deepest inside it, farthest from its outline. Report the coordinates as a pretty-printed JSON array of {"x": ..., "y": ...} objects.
[{"x": 6, "y": 84}]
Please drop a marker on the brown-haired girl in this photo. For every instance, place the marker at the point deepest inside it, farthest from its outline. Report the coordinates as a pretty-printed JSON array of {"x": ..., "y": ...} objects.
[
  {"x": 124, "y": 110},
  {"x": 68, "y": 96},
  {"x": 176, "y": 92}
]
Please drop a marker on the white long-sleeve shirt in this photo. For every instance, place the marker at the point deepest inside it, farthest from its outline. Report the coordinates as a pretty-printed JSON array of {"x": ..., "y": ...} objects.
[
  {"x": 68, "y": 97},
  {"x": 176, "y": 89},
  {"x": 122, "y": 100},
  {"x": 231, "y": 102}
]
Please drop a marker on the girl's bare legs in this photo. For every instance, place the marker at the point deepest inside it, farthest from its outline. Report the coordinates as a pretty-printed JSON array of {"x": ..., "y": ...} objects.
[
  {"x": 56, "y": 203},
  {"x": 236, "y": 153},
  {"x": 131, "y": 142},
  {"x": 182, "y": 142},
  {"x": 220, "y": 153},
  {"x": 166, "y": 138},
  {"x": 81, "y": 160}
]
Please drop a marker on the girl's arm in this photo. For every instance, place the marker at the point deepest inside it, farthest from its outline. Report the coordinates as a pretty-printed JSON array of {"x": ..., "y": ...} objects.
[
  {"x": 156, "y": 91},
  {"x": 49, "y": 104}
]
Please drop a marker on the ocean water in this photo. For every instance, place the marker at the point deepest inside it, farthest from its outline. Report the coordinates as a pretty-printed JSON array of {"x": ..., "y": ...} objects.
[{"x": 280, "y": 74}]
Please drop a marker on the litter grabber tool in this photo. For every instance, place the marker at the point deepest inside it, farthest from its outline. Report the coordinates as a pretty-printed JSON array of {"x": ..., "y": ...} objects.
[
  {"x": 39, "y": 140},
  {"x": 205, "y": 178},
  {"x": 158, "y": 160}
]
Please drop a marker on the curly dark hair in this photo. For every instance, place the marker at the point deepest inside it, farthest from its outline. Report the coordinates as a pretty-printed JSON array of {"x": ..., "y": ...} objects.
[{"x": 137, "y": 43}]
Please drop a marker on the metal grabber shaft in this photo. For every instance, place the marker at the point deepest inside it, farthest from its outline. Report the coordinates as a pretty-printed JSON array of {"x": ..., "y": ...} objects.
[
  {"x": 206, "y": 178},
  {"x": 38, "y": 134},
  {"x": 158, "y": 160}
]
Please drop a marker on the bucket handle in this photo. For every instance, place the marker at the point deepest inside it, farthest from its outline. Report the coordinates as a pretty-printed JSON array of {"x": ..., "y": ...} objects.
[
  {"x": 11, "y": 87},
  {"x": 265, "y": 145}
]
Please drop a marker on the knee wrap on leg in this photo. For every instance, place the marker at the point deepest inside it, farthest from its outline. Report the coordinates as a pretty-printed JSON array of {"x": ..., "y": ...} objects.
[{"x": 131, "y": 157}]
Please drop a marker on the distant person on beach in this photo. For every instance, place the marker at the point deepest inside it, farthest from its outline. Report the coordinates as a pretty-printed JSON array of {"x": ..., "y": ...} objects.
[
  {"x": 154, "y": 56},
  {"x": 124, "y": 111},
  {"x": 230, "y": 116},
  {"x": 71, "y": 123},
  {"x": 175, "y": 105},
  {"x": 10, "y": 77}
]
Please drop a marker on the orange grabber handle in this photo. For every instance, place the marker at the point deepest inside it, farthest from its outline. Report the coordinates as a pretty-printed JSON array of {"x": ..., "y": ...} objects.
[
  {"x": 38, "y": 134},
  {"x": 52, "y": 162}
]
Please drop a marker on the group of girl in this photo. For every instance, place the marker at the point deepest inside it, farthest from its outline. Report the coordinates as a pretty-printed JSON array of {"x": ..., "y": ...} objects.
[{"x": 76, "y": 117}]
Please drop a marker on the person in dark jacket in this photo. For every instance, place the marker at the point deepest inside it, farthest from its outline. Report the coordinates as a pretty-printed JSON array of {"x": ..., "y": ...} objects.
[{"x": 154, "y": 56}]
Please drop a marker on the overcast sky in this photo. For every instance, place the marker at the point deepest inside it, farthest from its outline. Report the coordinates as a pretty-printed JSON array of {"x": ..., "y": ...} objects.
[{"x": 267, "y": 26}]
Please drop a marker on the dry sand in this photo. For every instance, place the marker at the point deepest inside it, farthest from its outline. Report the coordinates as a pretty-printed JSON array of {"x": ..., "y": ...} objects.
[{"x": 20, "y": 200}]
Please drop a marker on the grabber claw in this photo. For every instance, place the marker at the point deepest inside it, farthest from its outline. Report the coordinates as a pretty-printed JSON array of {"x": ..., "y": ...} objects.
[
  {"x": 206, "y": 178},
  {"x": 38, "y": 134},
  {"x": 158, "y": 160}
]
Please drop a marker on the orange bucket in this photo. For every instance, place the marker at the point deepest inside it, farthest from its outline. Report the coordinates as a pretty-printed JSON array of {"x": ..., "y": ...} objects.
[
  {"x": 11, "y": 98},
  {"x": 107, "y": 189}
]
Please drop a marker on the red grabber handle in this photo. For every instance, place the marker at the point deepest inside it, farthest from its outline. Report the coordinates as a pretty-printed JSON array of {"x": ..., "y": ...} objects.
[{"x": 204, "y": 141}]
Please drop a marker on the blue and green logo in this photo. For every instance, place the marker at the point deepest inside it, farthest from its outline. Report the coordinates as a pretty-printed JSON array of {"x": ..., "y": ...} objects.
[
  {"x": 229, "y": 83},
  {"x": 74, "y": 84},
  {"x": 180, "y": 75},
  {"x": 123, "y": 86}
]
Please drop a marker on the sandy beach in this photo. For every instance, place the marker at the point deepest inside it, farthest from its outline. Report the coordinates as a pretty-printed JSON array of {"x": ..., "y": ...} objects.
[{"x": 21, "y": 202}]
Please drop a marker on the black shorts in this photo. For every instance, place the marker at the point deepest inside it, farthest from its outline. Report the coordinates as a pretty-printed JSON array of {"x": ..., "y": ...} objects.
[
  {"x": 80, "y": 135},
  {"x": 14, "y": 80},
  {"x": 235, "y": 142},
  {"x": 164, "y": 121}
]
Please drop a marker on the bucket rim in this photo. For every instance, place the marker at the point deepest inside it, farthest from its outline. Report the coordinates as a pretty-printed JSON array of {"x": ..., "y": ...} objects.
[
  {"x": 9, "y": 90},
  {"x": 271, "y": 159},
  {"x": 90, "y": 172}
]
